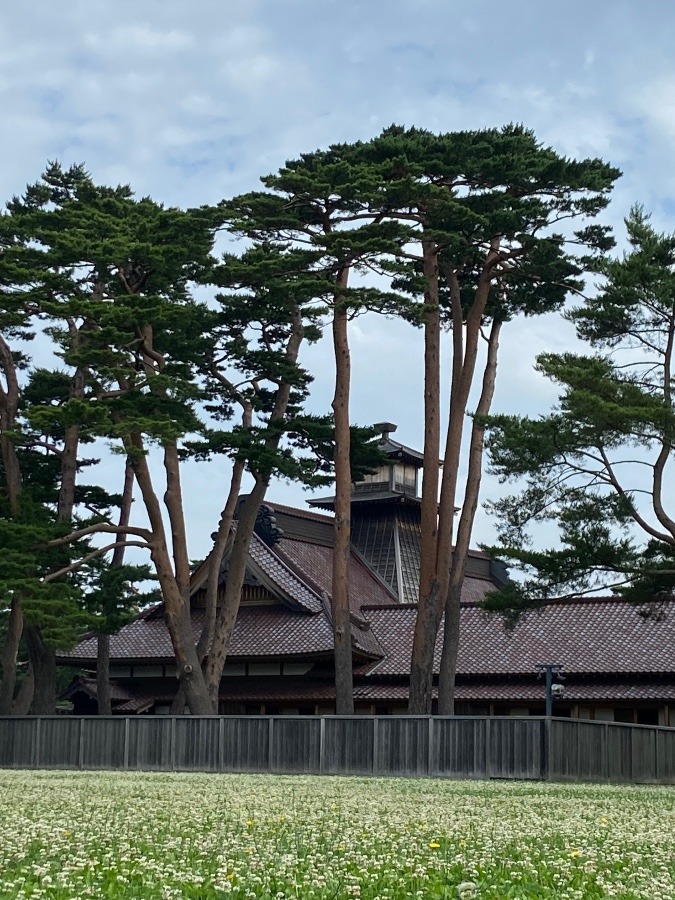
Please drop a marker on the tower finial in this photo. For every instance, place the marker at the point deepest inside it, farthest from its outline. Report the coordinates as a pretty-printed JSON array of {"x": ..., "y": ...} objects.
[{"x": 386, "y": 428}]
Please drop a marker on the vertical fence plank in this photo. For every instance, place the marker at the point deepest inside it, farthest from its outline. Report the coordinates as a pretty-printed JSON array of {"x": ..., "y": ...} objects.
[
  {"x": 103, "y": 742},
  {"x": 296, "y": 745},
  {"x": 126, "y": 742},
  {"x": 402, "y": 747},
  {"x": 246, "y": 745},
  {"x": 38, "y": 739},
  {"x": 431, "y": 748},
  {"x": 349, "y": 745}
]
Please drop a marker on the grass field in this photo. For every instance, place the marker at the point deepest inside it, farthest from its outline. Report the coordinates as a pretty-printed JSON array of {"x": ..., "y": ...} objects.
[{"x": 72, "y": 835}]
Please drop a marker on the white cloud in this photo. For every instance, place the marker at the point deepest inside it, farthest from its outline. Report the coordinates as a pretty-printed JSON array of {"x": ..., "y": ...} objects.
[{"x": 193, "y": 102}]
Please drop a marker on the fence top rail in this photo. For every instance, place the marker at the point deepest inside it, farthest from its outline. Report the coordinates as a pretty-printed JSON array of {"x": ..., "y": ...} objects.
[{"x": 331, "y": 718}]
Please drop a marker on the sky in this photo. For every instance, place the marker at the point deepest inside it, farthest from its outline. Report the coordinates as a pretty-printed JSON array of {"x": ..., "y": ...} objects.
[{"x": 193, "y": 102}]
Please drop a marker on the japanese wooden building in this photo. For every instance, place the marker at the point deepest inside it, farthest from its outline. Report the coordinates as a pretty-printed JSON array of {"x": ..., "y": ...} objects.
[{"x": 618, "y": 664}]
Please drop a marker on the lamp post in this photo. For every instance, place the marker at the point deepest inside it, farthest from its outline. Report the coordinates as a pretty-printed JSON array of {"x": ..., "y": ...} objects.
[{"x": 549, "y": 670}]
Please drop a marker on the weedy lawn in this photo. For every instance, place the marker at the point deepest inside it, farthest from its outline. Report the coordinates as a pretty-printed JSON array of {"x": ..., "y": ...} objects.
[{"x": 129, "y": 835}]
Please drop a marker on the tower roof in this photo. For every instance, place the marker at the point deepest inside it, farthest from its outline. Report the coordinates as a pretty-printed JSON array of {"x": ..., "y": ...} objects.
[{"x": 394, "y": 449}]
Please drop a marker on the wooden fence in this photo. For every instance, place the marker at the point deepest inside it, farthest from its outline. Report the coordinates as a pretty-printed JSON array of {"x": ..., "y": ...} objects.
[{"x": 453, "y": 747}]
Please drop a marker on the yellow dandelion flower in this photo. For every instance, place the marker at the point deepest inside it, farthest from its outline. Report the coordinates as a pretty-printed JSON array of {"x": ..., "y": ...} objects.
[
  {"x": 575, "y": 853},
  {"x": 434, "y": 845}
]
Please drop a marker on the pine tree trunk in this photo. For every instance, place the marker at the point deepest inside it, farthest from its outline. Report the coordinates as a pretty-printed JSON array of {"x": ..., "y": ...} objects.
[
  {"x": 43, "y": 661},
  {"x": 229, "y": 609},
  {"x": 68, "y": 458},
  {"x": 342, "y": 631},
  {"x": 216, "y": 560},
  {"x": 10, "y": 651},
  {"x": 424, "y": 639},
  {"x": 103, "y": 642},
  {"x": 25, "y": 696},
  {"x": 176, "y": 600},
  {"x": 430, "y": 611},
  {"x": 451, "y": 628},
  {"x": 9, "y": 400}
]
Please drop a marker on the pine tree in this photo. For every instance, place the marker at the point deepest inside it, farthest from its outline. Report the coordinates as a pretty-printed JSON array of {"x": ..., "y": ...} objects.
[
  {"x": 596, "y": 468},
  {"x": 481, "y": 209}
]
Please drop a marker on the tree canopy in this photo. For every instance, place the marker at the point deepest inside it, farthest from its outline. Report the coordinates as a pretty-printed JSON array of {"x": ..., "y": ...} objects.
[{"x": 596, "y": 469}]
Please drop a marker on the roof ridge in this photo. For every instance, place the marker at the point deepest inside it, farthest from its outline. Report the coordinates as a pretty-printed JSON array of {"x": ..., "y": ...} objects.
[
  {"x": 271, "y": 551},
  {"x": 300, "y": 512}
]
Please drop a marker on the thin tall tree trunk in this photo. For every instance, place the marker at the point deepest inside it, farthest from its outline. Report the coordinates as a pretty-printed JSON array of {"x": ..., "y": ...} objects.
[
  {"x": 229, "y": 609},
  {"x": 68, "y": 458},
  {"x": 10, "y": 652},
  {"x": 216, "y": 560},
  {"x": 103, "y": 640},
  {"x": 9, "y": 401},
  {"x": 176, "y": 601},
  {"x": 214, "y": 563},
  {"x": 42, "y": 655},
  {"x": 425, "y": 634},
  {"x": 430, "y": 609},
  {"x": 451, "y": 627},
  {"x": 342, "y": 631}
]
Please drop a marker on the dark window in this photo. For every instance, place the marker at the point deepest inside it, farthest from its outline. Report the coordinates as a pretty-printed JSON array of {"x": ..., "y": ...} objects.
[
  {"x": 648, "y": 716},
  {"x": 623, "y": 715}
]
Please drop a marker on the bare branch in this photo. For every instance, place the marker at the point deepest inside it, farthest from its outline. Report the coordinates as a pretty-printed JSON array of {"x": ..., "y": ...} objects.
[
  {"x": 85, "y": 559},
  {"x": 103, "y": 528}
]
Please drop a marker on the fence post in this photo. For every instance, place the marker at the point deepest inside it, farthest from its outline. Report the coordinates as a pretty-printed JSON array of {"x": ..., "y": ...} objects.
[
  {"x": 376, "y": 744},
  {"x": 606, "y": 753},
  {"x": 172, "y": 744},
  {"x": 545, "y": 748},
  {"x": 126, "y": 742},
  {"x": 430, "y": 749},
  {"x": 270, "y": 749},
  {"x": 322, "y": 744},
  {"x": 38, "y": 720},
  {"x": 221, "y": 743},
  {"x": 80, "y": 744},
  {"x": 488, "y": 745}
]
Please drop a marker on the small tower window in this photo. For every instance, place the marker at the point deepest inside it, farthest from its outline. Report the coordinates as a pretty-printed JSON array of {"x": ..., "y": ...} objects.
[
  {"x": 376, "y": 481},
  {"x": 405, "y": 478}
]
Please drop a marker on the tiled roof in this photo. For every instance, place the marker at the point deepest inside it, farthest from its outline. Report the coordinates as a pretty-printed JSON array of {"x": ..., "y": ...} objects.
[
  {"x": 302, "y": 513},
  {"x": 589, "y": 691},
  {"x": 259, "y": 631},
  {"x": 283, "y": 575},
  {"x": 590, "y": 636},
  {"x": 517, "y": 692},
  {"x": 316, "y": 562}
]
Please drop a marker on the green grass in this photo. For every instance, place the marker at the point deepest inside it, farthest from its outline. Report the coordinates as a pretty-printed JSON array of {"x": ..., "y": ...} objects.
[{"x": 73, "y": 835}]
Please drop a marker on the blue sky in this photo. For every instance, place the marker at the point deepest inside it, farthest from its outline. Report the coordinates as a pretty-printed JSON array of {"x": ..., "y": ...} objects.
[{"x": 192, "y": 102}]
